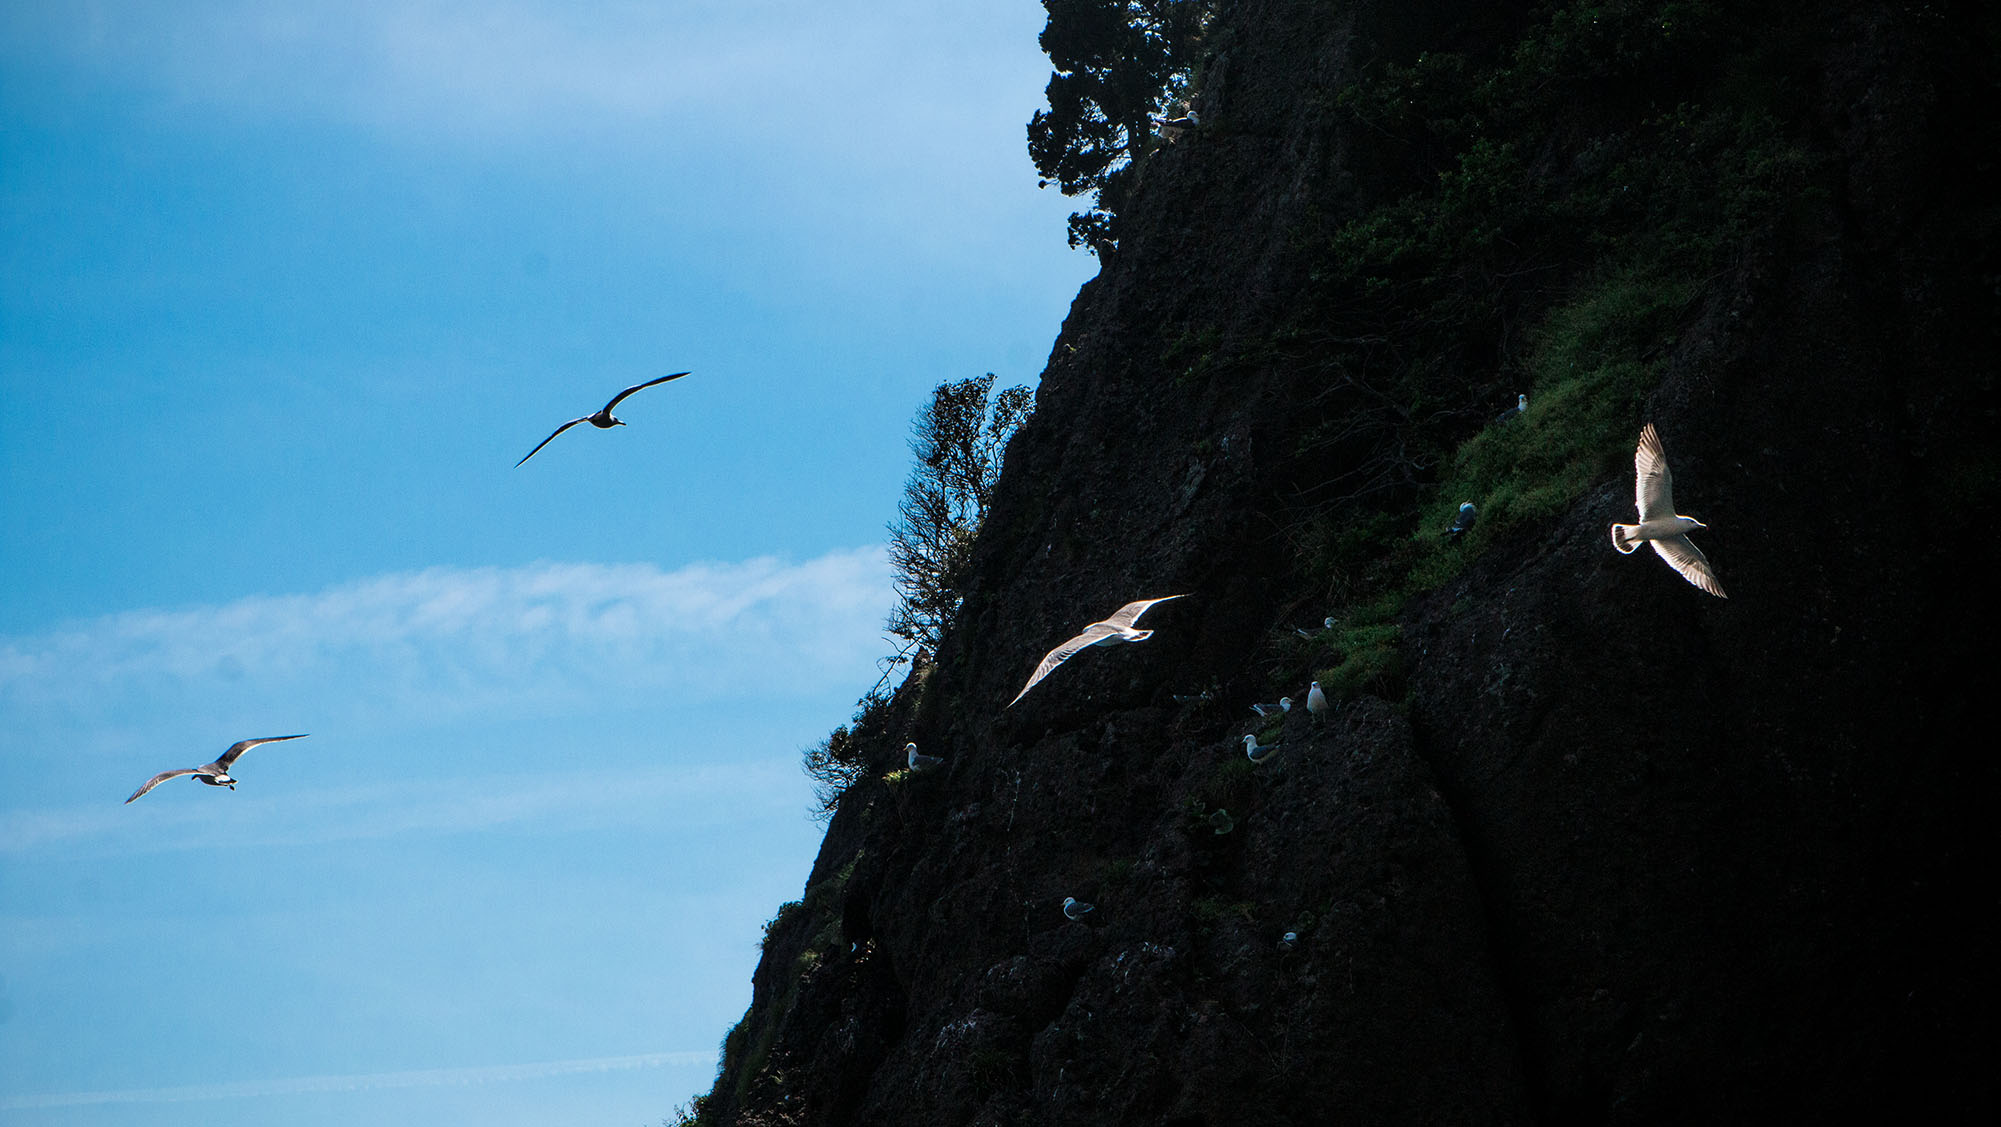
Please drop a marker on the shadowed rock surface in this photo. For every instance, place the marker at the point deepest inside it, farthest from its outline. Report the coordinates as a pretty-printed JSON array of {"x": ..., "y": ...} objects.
[{"x": 1592, "y": 846}]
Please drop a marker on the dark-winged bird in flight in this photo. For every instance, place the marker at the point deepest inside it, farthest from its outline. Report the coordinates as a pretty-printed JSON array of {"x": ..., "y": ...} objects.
[{"x": 602, "y": 420}]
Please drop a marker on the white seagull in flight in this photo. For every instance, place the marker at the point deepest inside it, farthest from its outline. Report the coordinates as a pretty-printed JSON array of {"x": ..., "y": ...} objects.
[
  {"x": 215, "y": 774},
  {"x": 1118, "y": 628},
  {"x": 1659, "y": 524},
  {"x": 602, "y": 420}
]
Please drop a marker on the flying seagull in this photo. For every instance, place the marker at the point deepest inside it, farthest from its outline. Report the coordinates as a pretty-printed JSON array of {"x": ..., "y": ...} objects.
[
  {"x": 215, "y": 774},
  {"x": 1520, "y": 408},
  {"x": 1464, "y": 521},
  {"x": 1111, "y": 631},
  {"x": 1660, "y": 525},
  {"x": 1075, "y": 909},
  {"x": 602, "y": 420},
  {"x": 1284, "y": 705},
  {"x": 1259, "y": 752},
  {"x": 920, "y": 761}
]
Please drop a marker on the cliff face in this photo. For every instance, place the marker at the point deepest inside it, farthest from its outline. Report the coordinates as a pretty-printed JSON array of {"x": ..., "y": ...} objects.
[{"x": 1585, "y": 844}]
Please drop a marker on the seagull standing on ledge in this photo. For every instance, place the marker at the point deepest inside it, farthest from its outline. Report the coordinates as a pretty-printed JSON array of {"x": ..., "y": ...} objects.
[
  {"x": 1520, "y": 408},
  {"x": 1660, "y": 525},
  {"x": 920, "y": 761},
  {"x": 1284, "y": 705},
  {"x": 215, "y": 774},
  {"x": 1464, "y": 521},
  {"x": 1111, "y": 631},
  {"x": 1258, "y": 752},
  {"x": 1075, "y": 909},
  {"x": 602, "y": 420},
  {"x": 1316, "y": 702}
]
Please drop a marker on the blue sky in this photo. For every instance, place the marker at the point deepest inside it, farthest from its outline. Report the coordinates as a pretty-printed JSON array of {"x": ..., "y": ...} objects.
[{"x": 285, "y": 291}]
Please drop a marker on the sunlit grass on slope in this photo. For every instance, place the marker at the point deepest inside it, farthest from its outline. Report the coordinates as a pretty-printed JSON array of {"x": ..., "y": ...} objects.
[{"x": 1596, "y": 357}]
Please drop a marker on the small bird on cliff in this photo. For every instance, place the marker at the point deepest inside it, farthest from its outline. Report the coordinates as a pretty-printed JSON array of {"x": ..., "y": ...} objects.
[
  {"x": 215, "y": 774},
  {"x": 1463, "y": 523},
  {"x": 1173, "y": 127},
  {"x": 920, "y": 761},
  {"x": 1520, "y": 408},
  {"x": 1316, "y": 702},
  {"x": 1325, "y": 624},
  {"x": 602, "y": 420},
  {"x": 1660, "y": 525},
  {"x": 1284, "y": 705},
  {"x": 1288, "y": 941},
  {"x": 1075, "y": 909},
  {"x": 1259, "y": 752},
  {"x": 1111, "y": 631}
]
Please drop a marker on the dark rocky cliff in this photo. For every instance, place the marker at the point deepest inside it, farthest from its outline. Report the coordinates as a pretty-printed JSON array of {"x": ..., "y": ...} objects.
[{"x": 1581, "y": 843}]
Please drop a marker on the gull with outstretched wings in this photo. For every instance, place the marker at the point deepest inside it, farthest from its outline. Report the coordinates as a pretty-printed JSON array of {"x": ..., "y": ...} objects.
[
  {"x": 1110, "y": 632},
  {"x": 215, "y": 774},
  {"x": 1660, "y": 525},
  {"x": 603, "y": 420}
]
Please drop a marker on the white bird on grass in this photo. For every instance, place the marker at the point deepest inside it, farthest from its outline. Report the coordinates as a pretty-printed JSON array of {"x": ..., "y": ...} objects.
[
  {"x": 1520, "y": 408},
  {"x": 920, "y": 761},
  {"x": 215, "y": 774},
  {"x": 1660, "y": 525},
  {"x": 1111, "y": 631},
  {"x": 602, "y": 420},
  {"x": 1316, "y": 702},
  {"x": 1464, "y": 521},
  {"x": 1258, "y": 752}
]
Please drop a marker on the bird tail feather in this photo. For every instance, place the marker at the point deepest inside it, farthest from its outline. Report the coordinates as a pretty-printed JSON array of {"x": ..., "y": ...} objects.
[{"x": 1622, "y": 538}]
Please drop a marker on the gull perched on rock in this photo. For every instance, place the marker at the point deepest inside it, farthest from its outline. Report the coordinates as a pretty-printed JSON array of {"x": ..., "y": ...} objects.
[
  {"x": 920, "y": 761},
  {"x": 1173, "y": 127},
  {"x": 1284, "y": 705},
  {"x": 1316, "y": 702},
  {"x": 1111, "y": 631},
  {"x": 1325, "y": 624},
  {"x": 1259, "y": 752},
  {"x": 1660, "y": 525},
  {"x": 602, "y": 420},
  {"x": 215, "y": 774},
  {"x": 1464, "y": 521},
  {"x": 1520, "y": 408},
  {"x": 1075, "y": 909}
]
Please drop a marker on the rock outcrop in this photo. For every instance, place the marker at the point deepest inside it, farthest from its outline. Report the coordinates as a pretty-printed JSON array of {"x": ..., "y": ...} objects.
[{"x": 1595, "y": 847}]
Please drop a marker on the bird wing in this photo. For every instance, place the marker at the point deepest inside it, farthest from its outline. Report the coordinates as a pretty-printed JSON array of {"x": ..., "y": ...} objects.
[
  {"x": 1682, "y": 555},
  {"x": 551, "y": 438},
  {"x": 1064, "y": 653},
  {"x": 228, "y": 757},
  {"x": 163, "y": 777},
  {"x": 1653, "y": 485},
  {"x": 1129, "y": 614},
  {"x": 620, "y": 397}
]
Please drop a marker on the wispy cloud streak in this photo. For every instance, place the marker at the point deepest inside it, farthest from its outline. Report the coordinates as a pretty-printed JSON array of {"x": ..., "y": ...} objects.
[
  {"x": 449, "y": 639},
  {"x": 364, "y": 1082}
]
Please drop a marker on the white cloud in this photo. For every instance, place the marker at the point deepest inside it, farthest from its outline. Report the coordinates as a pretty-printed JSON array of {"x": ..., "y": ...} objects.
[
  {"x": 684, "y": 797},
  {"x": 499, "y": 66},
  {"x": 528, "y": 640},
  {"x": 373, "y": 1081}
]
